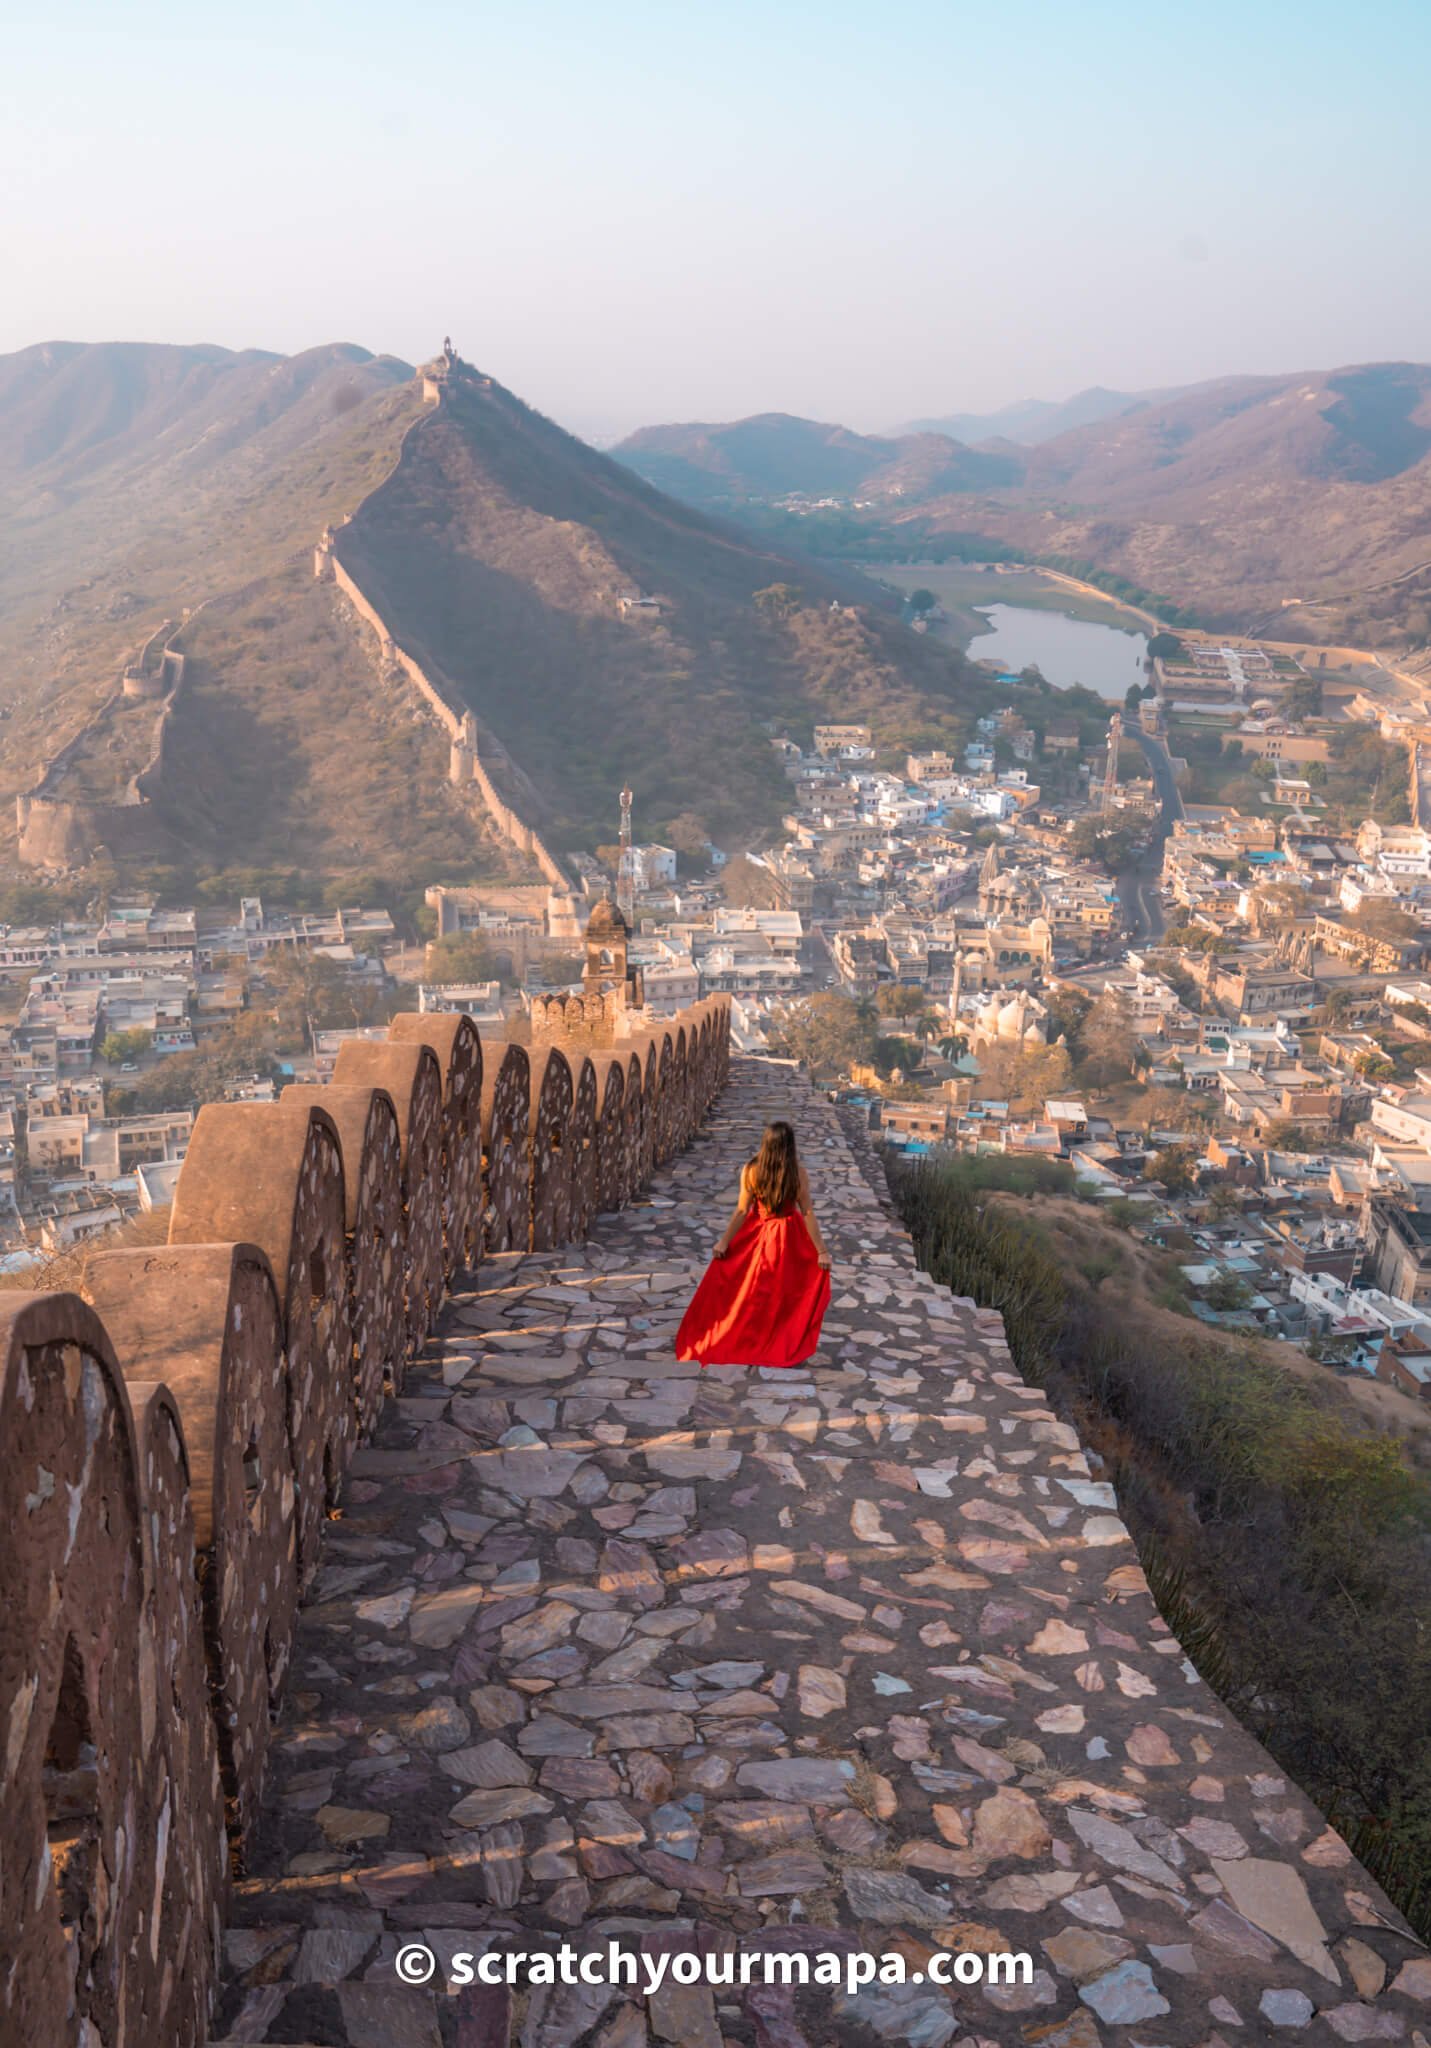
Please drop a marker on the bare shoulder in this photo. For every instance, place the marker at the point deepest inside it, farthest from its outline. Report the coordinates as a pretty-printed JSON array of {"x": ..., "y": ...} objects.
[{"x": 745, "y": 1178}]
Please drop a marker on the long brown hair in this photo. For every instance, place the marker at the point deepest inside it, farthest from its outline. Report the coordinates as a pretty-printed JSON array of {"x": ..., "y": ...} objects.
[{"x": 774, "y": 1173}]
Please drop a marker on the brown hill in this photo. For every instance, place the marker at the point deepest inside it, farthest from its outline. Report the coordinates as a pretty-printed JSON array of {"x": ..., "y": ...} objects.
[
  {"x": 777, "y": 455},
  {"x": 294, "y": 754},
  {"x": 137, "y": 482},
  {"x": 1239, "y": 497},
  {"x": 1029, "y": 421},
  {"x": 1303, "y": 501},
  {"x": 500, "y": 552},
  {"x": 1353, "y": 426}
]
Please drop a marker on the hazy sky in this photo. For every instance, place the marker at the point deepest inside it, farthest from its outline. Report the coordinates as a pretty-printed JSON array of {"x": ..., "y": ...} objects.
[{"x": 642, "y": 212}]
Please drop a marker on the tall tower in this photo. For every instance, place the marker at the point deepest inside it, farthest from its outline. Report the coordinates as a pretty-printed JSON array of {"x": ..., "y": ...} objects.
[
  {"x": 1110, "y": 774},
  {"x": 626, "y": 870}
]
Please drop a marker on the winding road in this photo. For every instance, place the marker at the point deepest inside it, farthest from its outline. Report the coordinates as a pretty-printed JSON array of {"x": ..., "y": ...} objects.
[{"x": 1139, "y": 890}]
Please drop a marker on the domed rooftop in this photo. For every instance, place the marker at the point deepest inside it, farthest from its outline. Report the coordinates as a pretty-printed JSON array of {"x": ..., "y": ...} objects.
[{"x": 606, "y": 922}]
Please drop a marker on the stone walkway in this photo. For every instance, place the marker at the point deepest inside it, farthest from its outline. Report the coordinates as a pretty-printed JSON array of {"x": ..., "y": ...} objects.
[{"x": 852, "y": 1656}]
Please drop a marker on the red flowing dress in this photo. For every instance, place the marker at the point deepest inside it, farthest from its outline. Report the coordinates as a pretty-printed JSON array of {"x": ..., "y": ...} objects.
[{"x": 765, "y": 1301}]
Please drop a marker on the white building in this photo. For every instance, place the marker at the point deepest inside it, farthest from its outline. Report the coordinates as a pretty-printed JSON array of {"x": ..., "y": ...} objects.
[
  {"x": 1408, "y": 1120},
  {"x": 479, "y": 1000},
  {"x": 655, "y": 866},
  {"x": 783, "y": 928}
]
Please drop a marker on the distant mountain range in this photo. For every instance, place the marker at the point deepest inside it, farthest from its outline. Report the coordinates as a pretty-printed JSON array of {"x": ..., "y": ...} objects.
[
  {"x": 776, "y": 455},
  {"x": 137, "y": 482},
  {"x": 1032, "y": 420},
  {"x": 1303, "y": 497}
]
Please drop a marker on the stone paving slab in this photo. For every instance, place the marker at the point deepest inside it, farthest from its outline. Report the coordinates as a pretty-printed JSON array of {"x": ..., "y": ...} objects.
[{"x": 853, "y": 1655}]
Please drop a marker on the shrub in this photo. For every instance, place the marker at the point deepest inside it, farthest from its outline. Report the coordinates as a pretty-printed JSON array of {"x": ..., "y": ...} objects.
[{"x": 1287, "y": 1547}]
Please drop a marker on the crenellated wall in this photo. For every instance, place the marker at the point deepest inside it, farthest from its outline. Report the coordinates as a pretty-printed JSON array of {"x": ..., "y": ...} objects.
[
  {"x": 175, "y": 1440},
  {"x": 59, "y": 827},
  {"x": 455, "y": 718}
]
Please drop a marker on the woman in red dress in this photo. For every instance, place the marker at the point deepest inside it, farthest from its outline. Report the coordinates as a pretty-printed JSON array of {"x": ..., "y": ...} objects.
[{"x": 764, "y": 1294}]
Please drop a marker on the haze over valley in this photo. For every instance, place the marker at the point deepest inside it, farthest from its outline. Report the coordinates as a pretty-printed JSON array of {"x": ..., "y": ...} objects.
[{"x": 1300, "y": 501}]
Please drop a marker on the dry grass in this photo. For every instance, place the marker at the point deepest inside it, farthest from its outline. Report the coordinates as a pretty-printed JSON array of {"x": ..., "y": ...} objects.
[
  {"x": 289, "y": 748},
  {"x": 1085, "y": 1243},
  {"x": 103, "y": 538},
  {"x": 64, "y": 1272}
]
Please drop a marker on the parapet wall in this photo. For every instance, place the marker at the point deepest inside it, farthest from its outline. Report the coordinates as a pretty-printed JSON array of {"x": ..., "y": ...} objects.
[
  {"x": 455, "y": 718},
  {"x": 176, "y": 1438},
  {"x": 58, "y": 828}
]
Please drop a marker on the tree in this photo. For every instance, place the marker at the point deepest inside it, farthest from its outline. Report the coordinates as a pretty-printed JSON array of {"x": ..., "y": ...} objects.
[
  {"x": 1068, "y": 1009},
  {"x": 103, "y": 878},
  {"x": 560, "y": 969},
  {"x": 1024, "y": 1075},
  {"x": 895, "y": 1054},
  {"x": 1175, "y": 1166},
  {"x": 1303, "y": 700},
  {"x": 825, "y": 1032},
  {"x": 687, "y": 833},
  {"x": 921, "y": 601},
  {"x": 187, "y": 1080},
  {"x": 896, "y": 999},
  {"x": 1108, "y": 843},
  {"x": 313, "y": 992},
  {"x": 1110, "y": 1044},
  {"x": 748, "y": 886},
  {"x": 778, "y": 600},
  {"x": 119, "y": 1046},
  {"x": 610, "y": 858},
  {"x": 1276, "y": 904},
  {"x": 1382, "y": 920},
  {"x": 1227, "y": 1290},
  {"x": 1165, "y": 647},
  {"x": 1198, "y": 938},
  {"x": 1282, "y": 1134},
  {"x": 464, "y": 956}
]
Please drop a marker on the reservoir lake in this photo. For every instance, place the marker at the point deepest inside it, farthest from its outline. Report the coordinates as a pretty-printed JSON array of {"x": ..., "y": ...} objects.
[{"x": 1064, "y": 650}]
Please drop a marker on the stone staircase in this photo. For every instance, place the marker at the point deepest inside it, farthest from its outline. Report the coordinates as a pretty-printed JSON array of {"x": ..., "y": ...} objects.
[{"x": 850, "y": 1657}]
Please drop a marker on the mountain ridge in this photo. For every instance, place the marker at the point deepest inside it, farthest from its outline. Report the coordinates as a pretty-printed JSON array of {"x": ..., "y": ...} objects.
[
  {"x": 498, "y": 530},
  {"x": 600, "y": 630},
  {"x": 1242, "y": 498},
  {"x": 779, "y": 455},
  {"x": 1028, "y": 421}
]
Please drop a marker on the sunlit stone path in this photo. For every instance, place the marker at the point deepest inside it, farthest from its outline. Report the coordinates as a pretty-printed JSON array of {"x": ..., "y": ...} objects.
[{"x": 853, "y": 1656}]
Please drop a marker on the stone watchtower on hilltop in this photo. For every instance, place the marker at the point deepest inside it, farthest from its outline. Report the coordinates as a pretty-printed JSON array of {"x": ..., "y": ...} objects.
[
  {"x": 436, "y": 373},
  {"x": 443, "y": 370}
]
